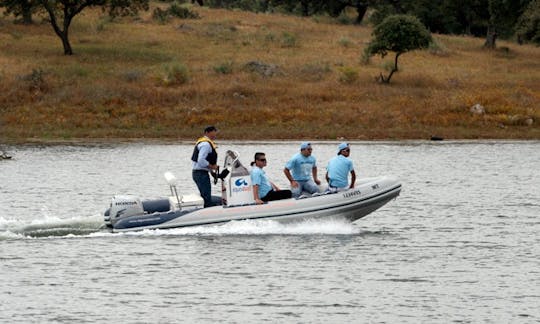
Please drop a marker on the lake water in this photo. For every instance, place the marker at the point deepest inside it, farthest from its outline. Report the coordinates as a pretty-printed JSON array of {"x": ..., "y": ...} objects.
[{"x": 461, "y": 244}]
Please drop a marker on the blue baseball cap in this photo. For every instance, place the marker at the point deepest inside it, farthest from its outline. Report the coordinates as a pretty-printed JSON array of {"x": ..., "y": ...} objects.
[
  {"x": 305, "y": 145},
  {"x": 342, "y": 146}
]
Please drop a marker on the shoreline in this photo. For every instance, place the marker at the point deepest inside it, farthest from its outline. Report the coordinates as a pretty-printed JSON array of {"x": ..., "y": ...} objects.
[{"x": 155, "y": 141}]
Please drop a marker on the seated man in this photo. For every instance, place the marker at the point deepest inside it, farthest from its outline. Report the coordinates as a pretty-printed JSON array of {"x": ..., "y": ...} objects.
[
  {"x": 263, "y": 189},
  {"x": 337, "y": 171},
  {"x": 303, "y": 166}
]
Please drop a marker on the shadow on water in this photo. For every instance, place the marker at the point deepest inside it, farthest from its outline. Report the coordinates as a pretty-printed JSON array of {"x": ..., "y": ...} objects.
[
  {"x": 57, "y": 232},
  {"x": 50, "y": 228}
]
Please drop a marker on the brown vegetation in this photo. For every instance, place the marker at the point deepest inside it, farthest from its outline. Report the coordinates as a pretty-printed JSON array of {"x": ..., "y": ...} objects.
[{"x": 136, "y": 78}]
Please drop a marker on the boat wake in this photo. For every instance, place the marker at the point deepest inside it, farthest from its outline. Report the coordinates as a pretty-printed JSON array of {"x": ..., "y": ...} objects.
[
  {"x": 254, "y": 227},
  {"x": 93, "y": 227},
  {"x": 50, "y": 226}
]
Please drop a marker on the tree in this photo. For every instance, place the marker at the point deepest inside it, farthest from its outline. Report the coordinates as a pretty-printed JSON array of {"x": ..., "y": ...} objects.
[
  {"x": 62, "y": 12},
  {"x": 528, "y": 25},
  {"x": 22, "y": 8},
  {"x": 398, "y": 34},
  {"x": 503, "y": 15}
]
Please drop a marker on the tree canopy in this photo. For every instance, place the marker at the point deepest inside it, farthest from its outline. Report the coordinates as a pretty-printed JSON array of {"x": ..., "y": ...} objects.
[
  {"x": 492, "y": 19},
  {"x": 398, "y": 34},
  {"x": 528, "y": 25}
]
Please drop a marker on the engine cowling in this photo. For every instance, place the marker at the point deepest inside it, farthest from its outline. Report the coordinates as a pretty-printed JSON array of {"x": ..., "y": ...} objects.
[{"x": 125, "y": 205}]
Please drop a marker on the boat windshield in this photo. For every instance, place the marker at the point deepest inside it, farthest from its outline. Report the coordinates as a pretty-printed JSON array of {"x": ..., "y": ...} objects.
[{"x": 232, "y": 162}]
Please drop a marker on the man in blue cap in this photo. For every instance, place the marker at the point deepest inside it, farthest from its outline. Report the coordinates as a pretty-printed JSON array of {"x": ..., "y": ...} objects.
[
  {"x": 303, "y": 166},
  {"x": 337, "y": 171}
]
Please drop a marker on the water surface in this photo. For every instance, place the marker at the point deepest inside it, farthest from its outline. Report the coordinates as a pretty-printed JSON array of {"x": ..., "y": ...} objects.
[{"x": 460, "y": 244}]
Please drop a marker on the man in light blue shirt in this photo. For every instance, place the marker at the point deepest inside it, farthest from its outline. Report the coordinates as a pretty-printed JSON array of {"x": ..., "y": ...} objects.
[
  {"x": 259, "y": 179},
  {"x": 300, "y": 169},
  {"x": 263, "y": 189},
  {"x": 337, "y": 171}
]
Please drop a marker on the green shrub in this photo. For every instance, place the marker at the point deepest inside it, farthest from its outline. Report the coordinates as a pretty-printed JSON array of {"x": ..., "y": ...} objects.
[
  {"x": 133, "y": 75},
  {"x": 35, "y": 80},
  {"x": 161, "y": 16},
  {"x": 270, "y": 37},
  {"x": 345, "y": 42},
  {"x": 315, "y": 71},
  {"x": 437, "y": 48},
  {"x": 175, "y": 10},
  {"x": 182, "y": 12},
  {"x": 224, "y": 68},
  {"x": 176, "y": 74},
  {"x": 288, "y": 40},
  {"x": 348, "y": 75}
]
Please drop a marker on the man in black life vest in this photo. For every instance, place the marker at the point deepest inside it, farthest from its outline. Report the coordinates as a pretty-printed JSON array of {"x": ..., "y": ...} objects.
[{"x": 204, "y": 160}]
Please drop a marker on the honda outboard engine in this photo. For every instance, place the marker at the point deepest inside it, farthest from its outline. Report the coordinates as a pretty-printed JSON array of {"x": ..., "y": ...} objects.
[{"x": 124, "y": 205}]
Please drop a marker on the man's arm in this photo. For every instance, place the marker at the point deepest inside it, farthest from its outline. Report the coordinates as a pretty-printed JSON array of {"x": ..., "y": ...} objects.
[
  {"x": 314, "y": 171},
  {"x": 289, "y": 176},
  {"x": 353, "y": 179}
]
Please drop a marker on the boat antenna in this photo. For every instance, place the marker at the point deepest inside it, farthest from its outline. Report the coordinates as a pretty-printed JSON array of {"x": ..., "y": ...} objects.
[{"x": 172, "y": 181}]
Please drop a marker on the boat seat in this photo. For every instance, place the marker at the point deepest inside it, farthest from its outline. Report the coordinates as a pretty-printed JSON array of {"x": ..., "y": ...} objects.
[{"x": 157, "y": 205}]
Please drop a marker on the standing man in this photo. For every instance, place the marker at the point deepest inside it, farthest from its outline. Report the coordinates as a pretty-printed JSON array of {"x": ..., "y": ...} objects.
[
  {"x": 204, "y": 160},
  {"x": 337, "y": 171},
  {"x": 303, "y": 166}
]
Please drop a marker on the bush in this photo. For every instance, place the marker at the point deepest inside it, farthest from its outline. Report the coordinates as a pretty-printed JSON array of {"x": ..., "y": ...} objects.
[
  {"x": 224, "y": 68},
  {"x": 182, "y": 12},
  {"x": 345, "y": 42},
  {"x": 348, "y": 75},
  {"x": 438, "y": 49},
  {"x": 133, "y": 75},
  {"x": 160, "y": 15},
  {"x": 176, "y": 74},
  {"x": 175, "y": 10},
  {"x": 315, "y": 71},
  {"x": 36, "y": 80},
  {"x": 288, "y": 40}
]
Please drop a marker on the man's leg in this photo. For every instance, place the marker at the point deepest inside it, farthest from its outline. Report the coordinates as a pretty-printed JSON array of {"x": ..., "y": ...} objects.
[
  {"x": 297, "y": 191},
  {"x": 202, "y": 180},
  {"x": 310, "y": 186}
]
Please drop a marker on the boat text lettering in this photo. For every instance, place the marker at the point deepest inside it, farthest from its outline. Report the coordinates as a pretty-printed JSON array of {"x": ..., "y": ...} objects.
[
  {"x": 352, "y": 194},
  {"x": 123, "y": 203}
]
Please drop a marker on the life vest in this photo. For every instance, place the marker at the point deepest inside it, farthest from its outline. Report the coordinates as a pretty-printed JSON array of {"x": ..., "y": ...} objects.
[{"x": 212, "y": 156}]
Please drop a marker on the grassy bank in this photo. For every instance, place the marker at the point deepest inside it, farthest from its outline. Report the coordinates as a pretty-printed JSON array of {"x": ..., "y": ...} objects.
[{"x": 136, "y": 78}]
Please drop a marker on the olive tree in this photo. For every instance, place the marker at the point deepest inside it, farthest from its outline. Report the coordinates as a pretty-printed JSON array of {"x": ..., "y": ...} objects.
[
  {"x": 528, "y": 25},
  {"x": 62, "y": 12},
  {"x": 398, "y": 34},
  {"x": 20, "y": 8}
]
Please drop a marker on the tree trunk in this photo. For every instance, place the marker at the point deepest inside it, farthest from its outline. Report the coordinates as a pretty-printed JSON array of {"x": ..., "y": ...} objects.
[
  {"x": 361, "y": 10},
  {"x": 305, "y": 8},
  {"x": 65, "y": 42},
  {"x": 394, "y": 69},
  {"x": 491, "y": 38},
  {"x": 26, "y": 9},
  {"x": 62, "y": 33}
]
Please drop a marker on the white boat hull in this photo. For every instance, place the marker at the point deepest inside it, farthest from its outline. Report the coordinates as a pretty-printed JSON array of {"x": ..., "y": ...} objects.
[{"x": 353, "y": 204}]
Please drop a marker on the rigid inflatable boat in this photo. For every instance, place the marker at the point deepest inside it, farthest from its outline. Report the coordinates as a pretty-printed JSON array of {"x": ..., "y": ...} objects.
[{"x": 130, "y": 213}]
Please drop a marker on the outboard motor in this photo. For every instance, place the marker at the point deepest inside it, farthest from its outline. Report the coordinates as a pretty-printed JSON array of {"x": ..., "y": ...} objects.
[{"x": 124, "y": 205}]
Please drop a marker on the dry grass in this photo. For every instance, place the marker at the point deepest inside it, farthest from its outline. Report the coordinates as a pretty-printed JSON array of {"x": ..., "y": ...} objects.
[{"x": 116, "y": 85}]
